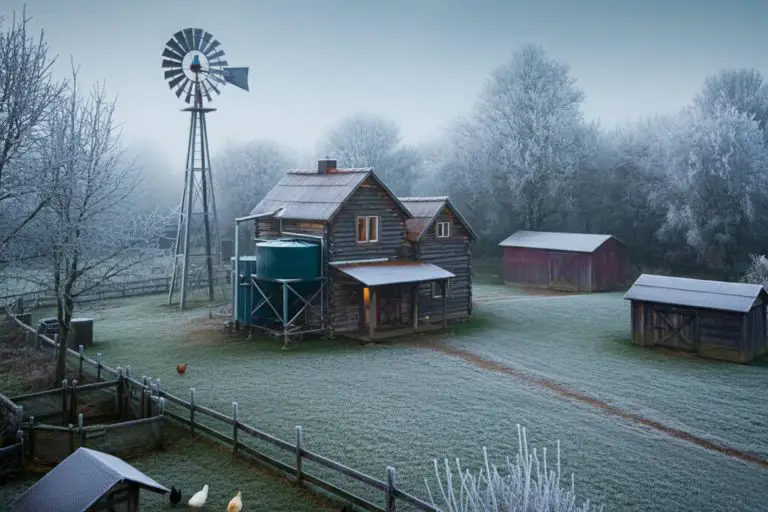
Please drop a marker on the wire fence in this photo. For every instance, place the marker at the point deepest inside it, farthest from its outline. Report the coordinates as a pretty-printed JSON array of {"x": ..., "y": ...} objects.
[{"x": 146, "y": 397}]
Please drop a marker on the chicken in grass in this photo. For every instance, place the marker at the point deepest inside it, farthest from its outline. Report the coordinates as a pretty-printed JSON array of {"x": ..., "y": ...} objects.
[
  {"x": 181, "y": 368},
  {"x": 235, "y": 504},
  {"x": 199, "y": 498}
]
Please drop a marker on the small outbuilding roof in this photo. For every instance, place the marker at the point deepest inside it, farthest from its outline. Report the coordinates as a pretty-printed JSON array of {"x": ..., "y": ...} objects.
[
  {"x": 309, "y": 195},
  {"x": 425, "y": 210},
  {"x": 696, "y": 293},
  {"x": 553, "y": 241},
  {"x": 379, "y": 274},
  {"x": 79, "y": 481}
]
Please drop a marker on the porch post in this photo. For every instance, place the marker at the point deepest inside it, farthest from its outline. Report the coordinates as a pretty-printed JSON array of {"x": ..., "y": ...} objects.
[
  {"x": 372, "y": 320},
  {"x": 415, "y": 305},
  {"x": 443, "y": 285}
]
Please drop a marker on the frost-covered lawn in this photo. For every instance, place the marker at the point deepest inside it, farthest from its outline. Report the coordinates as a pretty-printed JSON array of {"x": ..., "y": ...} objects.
[{"x": 403, "y": 404}]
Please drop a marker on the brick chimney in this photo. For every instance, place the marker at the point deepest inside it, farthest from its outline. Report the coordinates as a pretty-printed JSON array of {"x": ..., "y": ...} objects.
[{"x": 326, "y": 165}]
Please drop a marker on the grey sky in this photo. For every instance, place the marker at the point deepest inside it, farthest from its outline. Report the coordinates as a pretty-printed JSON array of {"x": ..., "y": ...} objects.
[{"x": 418, "y": 61}]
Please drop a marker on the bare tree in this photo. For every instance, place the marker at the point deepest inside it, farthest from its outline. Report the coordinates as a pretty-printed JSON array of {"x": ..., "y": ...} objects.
[
  {"x": 89, "y": 229},
  {"x": 27, "y": 95},
  {"x": 367, "y": 140}
]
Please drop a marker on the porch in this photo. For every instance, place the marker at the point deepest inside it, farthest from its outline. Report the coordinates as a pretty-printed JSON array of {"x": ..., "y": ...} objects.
[{"x": 388, "y": 298}]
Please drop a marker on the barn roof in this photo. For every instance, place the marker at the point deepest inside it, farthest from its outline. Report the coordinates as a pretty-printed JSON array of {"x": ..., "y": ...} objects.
[
  {"x": 697, "y": 293},
  {"x": 553, "y": 241},
  {"x": 307, "y": 195},
  {"x": 425, "y": 210},
  {"x": 79, "y": 481}
]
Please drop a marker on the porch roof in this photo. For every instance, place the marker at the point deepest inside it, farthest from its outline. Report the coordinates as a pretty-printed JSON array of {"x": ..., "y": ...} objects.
[{"x": 380, "y": 274}]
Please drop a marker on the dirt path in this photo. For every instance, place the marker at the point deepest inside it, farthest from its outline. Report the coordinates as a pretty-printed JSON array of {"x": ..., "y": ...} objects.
[{"x": 562, "y": 390}]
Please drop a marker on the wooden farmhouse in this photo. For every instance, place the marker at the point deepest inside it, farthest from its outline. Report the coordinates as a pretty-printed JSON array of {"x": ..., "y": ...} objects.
[
  {"x": 714, "y": 319},
  {"x": 88, "y": 480},
  {"x": 387, "y": 270},
  {"x": 573, "y": 262}
]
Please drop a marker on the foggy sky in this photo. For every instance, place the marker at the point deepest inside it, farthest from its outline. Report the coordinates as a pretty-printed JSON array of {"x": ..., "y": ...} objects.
[{"x": 418, "y": 61}]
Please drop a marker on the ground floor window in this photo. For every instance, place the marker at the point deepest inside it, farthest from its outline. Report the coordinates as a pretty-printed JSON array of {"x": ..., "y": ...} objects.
[{"x": 437, "y": 290}]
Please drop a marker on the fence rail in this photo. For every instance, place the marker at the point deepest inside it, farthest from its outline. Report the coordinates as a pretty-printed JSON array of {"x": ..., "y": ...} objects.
[{"x": 153, "y": 389}]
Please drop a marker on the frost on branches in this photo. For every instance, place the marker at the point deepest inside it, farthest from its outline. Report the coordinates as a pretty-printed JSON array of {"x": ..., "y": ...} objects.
[
  {"x": 757, "y": 271},
  {"x": 525, "y": 485}
]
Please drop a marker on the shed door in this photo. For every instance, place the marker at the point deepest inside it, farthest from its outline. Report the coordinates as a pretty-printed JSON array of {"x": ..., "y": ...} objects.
[
  {"x": 564, "y": 271},
  {"x": 675, "y": 328}
]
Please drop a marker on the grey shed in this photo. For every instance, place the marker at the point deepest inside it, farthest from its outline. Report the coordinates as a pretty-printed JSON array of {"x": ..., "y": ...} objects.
[{"x": 81, "y": 480}]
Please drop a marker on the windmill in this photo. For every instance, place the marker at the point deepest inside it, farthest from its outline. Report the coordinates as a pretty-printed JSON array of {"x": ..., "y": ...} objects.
[{"x": 195, "y": 68}]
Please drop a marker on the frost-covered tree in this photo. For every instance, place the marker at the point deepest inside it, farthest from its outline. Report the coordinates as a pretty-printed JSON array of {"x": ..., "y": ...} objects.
[
  {"x": 531, "y": 126},
  {"x": 27, "y": 95},
  {"x": 718, "y": 177},
  {"x": 89, "y": 231},
  {"x": 368, "y": 140},
  {"x": 757, "y": 271},
  {"x": 743, "y": 89},
  {"x": 243, "y": 174},
  {"x": 525, "y": 484}
]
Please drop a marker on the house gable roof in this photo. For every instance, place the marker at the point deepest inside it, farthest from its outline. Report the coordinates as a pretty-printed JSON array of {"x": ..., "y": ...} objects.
[
  {"x": 81, "y": 480},
  {"x": 555, "y": 241},
  {"x": 307, "y": 195},
  {"x": 425, "y": 211},
  {"x": 696, "y": 293}
]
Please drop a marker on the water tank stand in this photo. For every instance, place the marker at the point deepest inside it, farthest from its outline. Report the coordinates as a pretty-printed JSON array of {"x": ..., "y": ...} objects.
[{"x": 288, "y": 327}]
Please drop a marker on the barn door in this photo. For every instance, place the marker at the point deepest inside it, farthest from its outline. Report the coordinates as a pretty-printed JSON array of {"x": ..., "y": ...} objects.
[
  {"x": 564, "y": 271},
  {"x": 675, "y": 329}
]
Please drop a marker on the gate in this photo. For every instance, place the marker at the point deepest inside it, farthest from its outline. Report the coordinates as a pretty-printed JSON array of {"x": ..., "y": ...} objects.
[{"x": 564, "y": 271}]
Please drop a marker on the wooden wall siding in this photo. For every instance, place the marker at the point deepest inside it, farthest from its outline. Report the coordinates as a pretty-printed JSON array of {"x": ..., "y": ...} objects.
[
  {"x": 369, "y": 199},
  {"x": 269, "y": 228},
  {"x": 611, "y": 267},
  {"x": 454, "y": 254},
  {"x": 344, "y": 299},
  {"x": 724, "y": 335}
]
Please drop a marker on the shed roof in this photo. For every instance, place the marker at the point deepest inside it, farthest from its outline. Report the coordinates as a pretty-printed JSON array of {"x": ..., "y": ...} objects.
[
  {"x": 554, "y": 241},
  {"x": 697, "y": 293},
  {"x": 379, "y": 274},
  {"x": 425, "y": 210},
  {"x": 307, "y": 195},
  {"x": 79, "y": 481}
]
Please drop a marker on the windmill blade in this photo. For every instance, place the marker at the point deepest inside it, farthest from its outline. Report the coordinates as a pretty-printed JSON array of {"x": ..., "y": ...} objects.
[
  {"x": 215, "y": 56},
  {"x": 216, "y": 75},
  {"x": 189, "y": 92},
  {"x": 173, "y": 55},
  {"x": 173, "y": 45},
  {"x": 215, "y": 44},
  {"x": 237, "y": 77},
  {"x": 189, "y": 35},
  {"x": 177, "y": 80},
  {"x": 171, "y": 64},
  {"x": 206, "y": 39},
  {"x": 198, "y": 37},
  {"x": 173, "y": 72},
  {"x": 213, "y": 87},
  {"x": 182, "y": 87},
  {"x": 179, "y": 36},
  {"x": 205, "y": 90}
]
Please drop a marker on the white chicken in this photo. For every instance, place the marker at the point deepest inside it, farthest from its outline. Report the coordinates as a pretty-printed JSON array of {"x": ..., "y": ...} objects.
[
  {"x": 235, "y": 504},
  {"x": 198, "y": 499}
]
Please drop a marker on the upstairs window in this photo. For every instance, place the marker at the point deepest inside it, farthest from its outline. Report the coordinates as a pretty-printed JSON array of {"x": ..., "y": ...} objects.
[
  {"x": 443, "y": 229},
  {"x": 368, "y": 229}
]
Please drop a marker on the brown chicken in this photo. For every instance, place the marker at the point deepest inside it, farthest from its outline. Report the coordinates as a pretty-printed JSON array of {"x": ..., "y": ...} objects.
[{"x": 181, "y": 368}]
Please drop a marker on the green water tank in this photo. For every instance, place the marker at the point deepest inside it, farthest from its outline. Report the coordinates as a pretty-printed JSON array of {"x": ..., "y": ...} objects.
[
  {"x": 245, "y": 294},
  {"x": 287, "y": 259}
]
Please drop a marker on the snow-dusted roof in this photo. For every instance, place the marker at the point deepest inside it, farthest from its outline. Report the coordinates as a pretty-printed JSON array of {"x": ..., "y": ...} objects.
[
  {"x": 553, "y": 241},
  {"x": 308, "y": 195},
  {"x": 380, "y": 274},
  {"x": 697, "y": 293}
]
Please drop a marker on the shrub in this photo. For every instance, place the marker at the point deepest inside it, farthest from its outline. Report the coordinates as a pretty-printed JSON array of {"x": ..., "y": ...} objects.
[
  {"x": 757, "y": 271},
  {"x": 527, "y": 486}
]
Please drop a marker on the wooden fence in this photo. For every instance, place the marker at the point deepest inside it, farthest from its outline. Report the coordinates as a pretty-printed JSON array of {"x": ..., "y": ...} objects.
[{"x": 152, "y": 389}]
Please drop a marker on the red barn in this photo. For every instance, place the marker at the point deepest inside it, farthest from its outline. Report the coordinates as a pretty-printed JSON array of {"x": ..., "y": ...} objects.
[{"x": 573, "y": 262}]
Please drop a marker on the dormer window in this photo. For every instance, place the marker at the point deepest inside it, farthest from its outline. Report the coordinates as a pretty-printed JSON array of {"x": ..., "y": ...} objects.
[{"x": 443, "y": 229}]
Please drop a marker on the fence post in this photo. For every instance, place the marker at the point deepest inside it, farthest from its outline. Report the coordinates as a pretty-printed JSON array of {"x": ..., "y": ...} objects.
[
  {"x": 161, "y": 421},
  {"x": 81, "y": 354},
  {"x": 20, "y": 439},
  {"x": 80, "y": 429},
  {"x": 120, "y": 391},
  {"x": 37, "y": 336},
  {"x": 298, "y": 453},
  {"x": 63, "y": 397},
  {"x": 192, "y": 410},
  {"x": 98, "y": 366},
  {"x": 71, "y": 439},
  {"x": 73, "y": 402},
  {"x": 234, "y": 428},
  {"x": 390, "y": 489},
  {"x": 31, "y": 436}
]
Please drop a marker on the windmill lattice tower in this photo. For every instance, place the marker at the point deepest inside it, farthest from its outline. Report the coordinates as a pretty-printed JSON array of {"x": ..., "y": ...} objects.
[{"x": 196, "y": 69}]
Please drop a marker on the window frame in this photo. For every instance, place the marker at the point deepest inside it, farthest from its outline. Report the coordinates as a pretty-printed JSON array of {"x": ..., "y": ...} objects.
[
  {"x": 437, "y": 292},
  {"x": 367, "y": 220},
  {"x": 447, "y": 225}
]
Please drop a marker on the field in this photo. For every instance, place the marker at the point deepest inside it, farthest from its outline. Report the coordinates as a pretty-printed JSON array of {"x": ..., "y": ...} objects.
[{"x": 561, "y": 366}]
